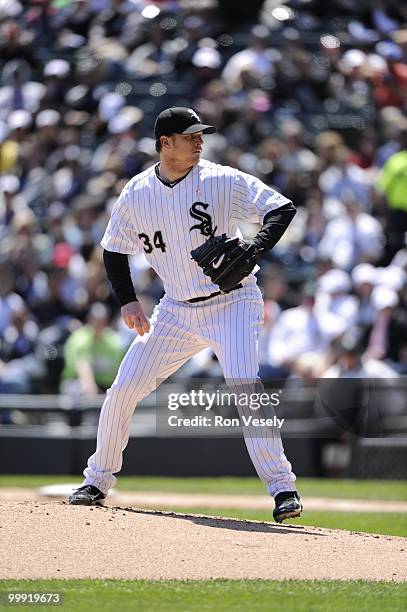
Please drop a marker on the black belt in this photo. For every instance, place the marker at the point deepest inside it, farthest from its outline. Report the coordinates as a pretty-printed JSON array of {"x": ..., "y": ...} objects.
[{"x": 208, "y": 297}]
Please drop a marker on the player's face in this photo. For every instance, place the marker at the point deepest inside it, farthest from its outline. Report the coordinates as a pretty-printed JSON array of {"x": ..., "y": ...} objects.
[{"x": 187, "y": 147}]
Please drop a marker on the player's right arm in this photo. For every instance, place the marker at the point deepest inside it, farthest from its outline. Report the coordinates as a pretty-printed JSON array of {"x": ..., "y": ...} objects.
[
  {"x": 120, "y": 240},
  {"x": 118, "y": 273}
]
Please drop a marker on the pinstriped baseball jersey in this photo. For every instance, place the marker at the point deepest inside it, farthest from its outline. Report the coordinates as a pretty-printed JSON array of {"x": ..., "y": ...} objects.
[{"x": 168, "y": 222}]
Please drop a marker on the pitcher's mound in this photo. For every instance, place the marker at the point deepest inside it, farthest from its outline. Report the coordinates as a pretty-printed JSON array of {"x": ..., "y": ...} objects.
[{"x": 55, "y": 540}]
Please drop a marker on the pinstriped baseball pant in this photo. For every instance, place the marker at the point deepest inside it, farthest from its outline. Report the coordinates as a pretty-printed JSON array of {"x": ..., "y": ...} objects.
[{"x": 230, "y": 324}]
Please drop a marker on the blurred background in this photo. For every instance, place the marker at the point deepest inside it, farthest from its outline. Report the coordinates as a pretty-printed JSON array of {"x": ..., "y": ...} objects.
[{"x": 309, "y": 96}]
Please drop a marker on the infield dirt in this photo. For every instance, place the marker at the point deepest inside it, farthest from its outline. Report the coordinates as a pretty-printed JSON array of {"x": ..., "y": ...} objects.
[{"x": 55, "y": 540}]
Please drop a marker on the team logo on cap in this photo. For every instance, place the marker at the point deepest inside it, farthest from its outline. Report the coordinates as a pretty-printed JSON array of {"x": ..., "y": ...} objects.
[{"x": 193, "y": 113}]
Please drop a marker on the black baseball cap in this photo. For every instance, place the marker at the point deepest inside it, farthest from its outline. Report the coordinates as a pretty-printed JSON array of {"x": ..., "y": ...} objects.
[{"x": 180, "y": 120}]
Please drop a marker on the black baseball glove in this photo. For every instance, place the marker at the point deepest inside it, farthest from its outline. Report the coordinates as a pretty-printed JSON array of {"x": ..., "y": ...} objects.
[{"x": 227, "y": 261}]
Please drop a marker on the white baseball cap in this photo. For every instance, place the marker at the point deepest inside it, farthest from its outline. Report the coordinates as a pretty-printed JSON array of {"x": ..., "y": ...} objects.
[
  {"x": 109, "y": 105},
  {"x": 364, "y": 273},
  {"x": 376, "y": 63},
  {"x": 19, "y": 119},
  {"x": 334, "y": 281},
  {"x": 354, "y": 58},
  {"x": 33, "y": 93},
  {"x": 57, "y": 67},
  {"x": 9, "y": 183},
  {"x": 10, "y": 8},
  {"x": 127, "y": 117},
  {"x": 47, "y": 118},
  {"x": 147, "y": 145},
  {"x": 206, "y": 57},
  {"x": 392, "y": 277},
  {"x": 382, "y": 297}
]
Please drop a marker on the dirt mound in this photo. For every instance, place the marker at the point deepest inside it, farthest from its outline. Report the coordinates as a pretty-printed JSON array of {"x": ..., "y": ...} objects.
[{"x": 55, "y": 540}]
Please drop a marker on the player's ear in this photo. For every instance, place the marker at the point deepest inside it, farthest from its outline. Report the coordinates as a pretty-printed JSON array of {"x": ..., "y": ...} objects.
[{"x": 166, "y": 142}]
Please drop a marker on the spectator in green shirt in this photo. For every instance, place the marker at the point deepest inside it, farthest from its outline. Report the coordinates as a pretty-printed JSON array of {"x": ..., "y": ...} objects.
[
  {"x": 92, "y": 355},
  {"x": 392, "y": 183}
]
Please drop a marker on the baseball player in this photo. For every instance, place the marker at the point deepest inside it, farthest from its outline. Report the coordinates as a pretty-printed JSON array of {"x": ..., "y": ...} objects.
[{"x": 184, "y": 213}]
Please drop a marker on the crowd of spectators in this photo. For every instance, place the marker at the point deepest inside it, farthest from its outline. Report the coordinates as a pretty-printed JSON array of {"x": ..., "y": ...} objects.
[{"x": 309, "y": 96}]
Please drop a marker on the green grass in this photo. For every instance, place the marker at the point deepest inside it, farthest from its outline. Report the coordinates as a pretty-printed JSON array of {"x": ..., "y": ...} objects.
[
  {"x": 311, "y": 487},
  {"x": 370, "y": 522},
  {"x": 217, "y": 595}
]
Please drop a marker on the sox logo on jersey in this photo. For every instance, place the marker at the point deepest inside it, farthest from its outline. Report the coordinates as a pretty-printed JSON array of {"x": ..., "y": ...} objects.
[
  {"x": 205, "y": 225},
  {"x": 155, "y": 218}
]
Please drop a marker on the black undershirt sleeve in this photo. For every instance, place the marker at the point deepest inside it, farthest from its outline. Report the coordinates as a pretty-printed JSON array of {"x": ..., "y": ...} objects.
[
  {"x": 118, "y": 273},
  {"x": 274, "y": 225}
]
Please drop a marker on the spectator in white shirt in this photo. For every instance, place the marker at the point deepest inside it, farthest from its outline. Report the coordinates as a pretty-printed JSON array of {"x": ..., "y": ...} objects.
[
  {"x": 297, "y": 331},
  {"x": 257, "y": 60},
  {"x": 364, "y": 279},
  {"x": 342, "y": 177},
  {"x": 352, "y": 238},
  {"x": 335, "y": 309}
]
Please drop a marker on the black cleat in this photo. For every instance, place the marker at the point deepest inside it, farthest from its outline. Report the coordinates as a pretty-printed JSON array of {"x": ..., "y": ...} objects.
[
  {"x": 88, "y": 495},
  {"x": 288, "y": 505}
]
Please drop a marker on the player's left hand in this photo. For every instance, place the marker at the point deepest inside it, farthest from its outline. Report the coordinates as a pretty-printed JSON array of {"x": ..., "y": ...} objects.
[
  {"x": 134, "y": 317},
  {"x": 227, "y": 261}
]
